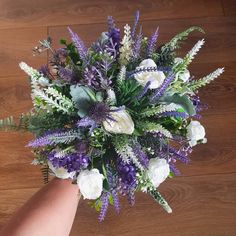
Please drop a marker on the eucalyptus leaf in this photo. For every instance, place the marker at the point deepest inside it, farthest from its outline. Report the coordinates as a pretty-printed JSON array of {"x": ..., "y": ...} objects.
[
  {"x": 82, "y": 97},
  {"x": 183, "y": 101}
]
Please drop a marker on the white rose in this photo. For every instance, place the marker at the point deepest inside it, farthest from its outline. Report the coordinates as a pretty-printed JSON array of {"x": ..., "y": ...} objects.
[
  {"x": 185, "y": 75},
  {"x": 158, "y": 171},
  {"x": 195, "y": 132},
  {"x": 90, "y": 183},
  {"x": 61, "y": 172},
  {"x": 156, "y": 77},
  {"x": 123, "y": 123}
]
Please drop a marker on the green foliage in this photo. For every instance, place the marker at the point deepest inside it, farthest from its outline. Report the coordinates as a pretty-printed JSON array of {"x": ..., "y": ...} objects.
[
  {"x": 7, "y": 123},
  {"x": 45, "y": 173},
  {"x": 41, "y": 121},
  {"x": 149, "y": 126},
  {"x": 51, "y": 98},
  {"x": 64, "y": 137},
  {"x": 183, "y": 101},
  {"x": 159, "y": 199},
  {"x": 174, "y": 43},
  {"x": 196, "y": 84},
  {"x": 83, "y": 97},
  {"x": 154, "y": 110}
]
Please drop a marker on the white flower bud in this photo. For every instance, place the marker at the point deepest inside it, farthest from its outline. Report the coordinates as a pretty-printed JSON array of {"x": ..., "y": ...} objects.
[
  {"x": 156, "y": 77},
  {"x": 195, "y": 133},
  {"x": 123, "y": 123},
  {"x": 61, "y": 172},
  {"x": 90, "y": 183},
  {"x": 158, "y": 171}
]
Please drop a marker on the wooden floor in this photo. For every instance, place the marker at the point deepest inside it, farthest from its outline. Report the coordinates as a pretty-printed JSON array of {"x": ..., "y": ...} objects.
[{"x": 204, "y": 197}]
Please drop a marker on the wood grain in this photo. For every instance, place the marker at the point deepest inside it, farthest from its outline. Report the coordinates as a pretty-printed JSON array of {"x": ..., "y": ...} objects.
[
  {"x": 64, "y": 12},
  {"x": 229, "y": 7},
  {"x": 16, "y": 46},
  {"x": 203, "y": 197},
  {"x": 196, "y": 201}
]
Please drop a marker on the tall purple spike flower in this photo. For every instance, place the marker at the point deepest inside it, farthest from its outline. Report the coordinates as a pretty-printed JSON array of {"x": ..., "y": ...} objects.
[
  {"x": 137, "y": 44},
  {"x": 82, "y": 50},
  {"x": 152, "y": 43},
  {"x": 113, "y": 32},
  {"x": 174, "y": 169},
  {"x": 175, "y": 114},
  {"x": 160, "y": 91},
  {"x": 104, "y": 208},
  {"x": 142, "y": 156},
  {"x": 131, "y": 197},
  {"x": 144, "y": 91},
  {"x": 116, "y": 201},
  {"x": 130, "y": 74},
  {"x": 136, "y": 19}
]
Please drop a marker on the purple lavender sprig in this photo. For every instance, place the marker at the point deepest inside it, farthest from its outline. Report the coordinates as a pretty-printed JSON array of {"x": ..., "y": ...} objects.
[
  {"x": 160, "y": 91},
  {"x": 176, "y": 114},
  {"x": 144, "y": 90},
  {"x": 116, "y": 201},
  {"x": 137, "y": 44},
  {"x": 104, "y": 207},
  {"x": 141, "y": 155},
  {"x": 136, "y": 20},
  {"x": 82, "y": 50},
  {"x": 152, "y": 43},
  {"x": 130, "y": 74}
]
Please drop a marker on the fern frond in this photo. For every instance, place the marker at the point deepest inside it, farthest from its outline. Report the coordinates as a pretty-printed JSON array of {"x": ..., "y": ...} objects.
[
  {"x": 174, "y": 42},
  {"x": 154, "y": 127},
  {"x": 148, "y": 112},
  {"x": 196, "y": 84},
  {"x": 54, "y": 99},
  {"x": 45, "y": 173},
  {"x": 7, "y": 123}
]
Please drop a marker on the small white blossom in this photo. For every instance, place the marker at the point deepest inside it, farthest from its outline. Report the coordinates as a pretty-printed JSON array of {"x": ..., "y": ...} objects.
[
  {"x": 158, "y": 171},
  {"x": 90, "y": 183},
  {"x": 195, "y": 132},
  {"x": 61, "y": 172},
  {"x": 155, "y": 77},
  {"x": 122, "y": 124}
]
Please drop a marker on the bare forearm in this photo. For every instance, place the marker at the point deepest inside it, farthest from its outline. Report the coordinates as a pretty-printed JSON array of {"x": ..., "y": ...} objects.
[{"x": 49, "y": 212}]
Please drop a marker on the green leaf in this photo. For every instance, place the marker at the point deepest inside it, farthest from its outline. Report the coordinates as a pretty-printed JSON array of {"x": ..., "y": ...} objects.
[
  {"x": 82, "y": 97},
  {"x": 183, "y": 101}
]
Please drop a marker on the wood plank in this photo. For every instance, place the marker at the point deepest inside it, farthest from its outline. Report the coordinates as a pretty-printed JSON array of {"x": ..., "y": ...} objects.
[
  {"x": 196, "y": 203},
  {"x": 14, "y": 96},
  {"x": 47, "y": 12},
  {"x": 16, "y": 46},
  {"x": 220, "y": 35},
  {"x": 229, "y": 7}
]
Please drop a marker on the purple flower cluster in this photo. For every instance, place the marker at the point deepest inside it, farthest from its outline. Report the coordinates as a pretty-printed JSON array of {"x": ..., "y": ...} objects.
[
  {"x": 71, "y": 162},
  {"x": 127, "y": 175}
]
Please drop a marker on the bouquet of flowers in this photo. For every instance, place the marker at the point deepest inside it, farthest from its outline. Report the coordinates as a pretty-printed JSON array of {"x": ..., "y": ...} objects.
[{"x": 114, "y": 117}]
